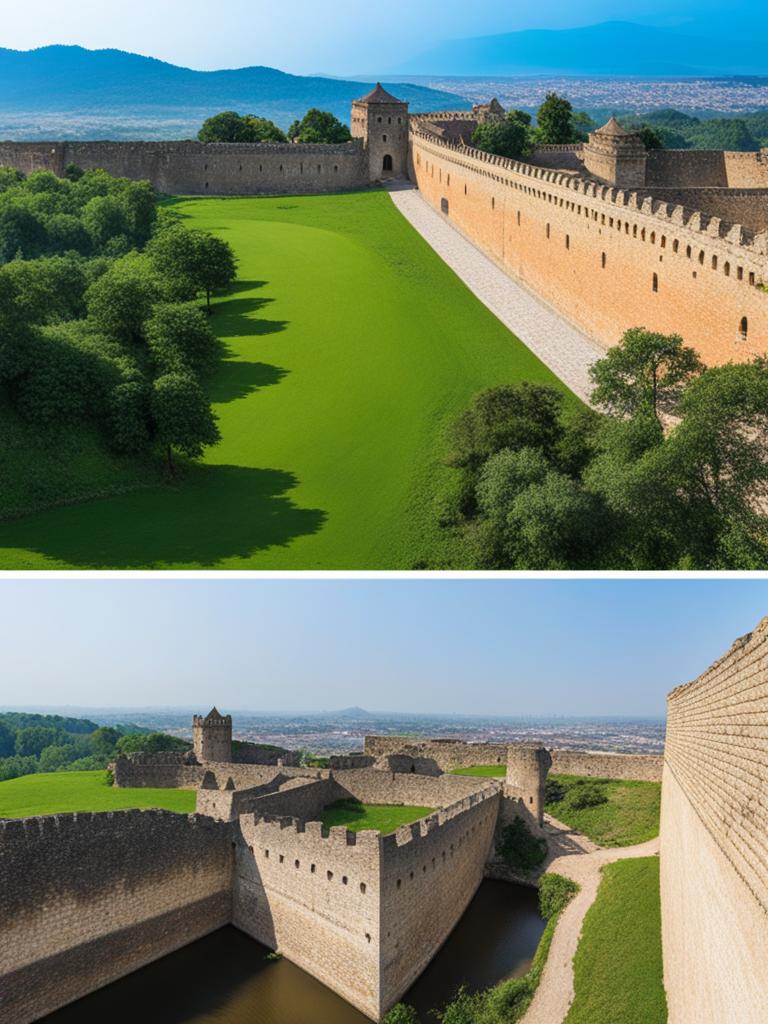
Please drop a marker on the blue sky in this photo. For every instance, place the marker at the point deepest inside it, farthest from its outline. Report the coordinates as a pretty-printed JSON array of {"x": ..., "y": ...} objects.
[
  {"x": 304, "y": 36},
  {"x": 463, "y": 646}
]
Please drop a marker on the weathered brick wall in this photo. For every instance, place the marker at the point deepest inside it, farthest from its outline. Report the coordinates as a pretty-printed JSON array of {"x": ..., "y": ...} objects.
[
  {"x": 448, "y": 755},
  {"x": 87, "y": 898},
  {"x": 714, "y": 840},
  {"x": 607, "y": 259},
  {"x": 597, "y": 765},
  {"x": 130, "y": 773},
  {"x": 316, "y": 899},
  {"x": 372, "y": 786},
  {"x": 430, "y": 872},
  {"x": 738, "y": 206},
  {"x": 191, "y": 168}
]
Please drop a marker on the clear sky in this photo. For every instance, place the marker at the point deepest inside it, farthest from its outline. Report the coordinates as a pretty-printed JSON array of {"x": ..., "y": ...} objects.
[
  {"x": 306, "y": 36},
  {"x": 452, "y": 646}
]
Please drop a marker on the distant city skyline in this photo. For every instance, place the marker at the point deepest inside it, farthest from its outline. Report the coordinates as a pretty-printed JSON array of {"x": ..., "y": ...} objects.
[
  {"x": 306, "y": 38},
  {"x": 486, "y": 647}
]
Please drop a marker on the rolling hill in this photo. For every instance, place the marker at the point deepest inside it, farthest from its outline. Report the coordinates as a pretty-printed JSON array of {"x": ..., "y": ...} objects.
[{"x": 111, "y": 93}]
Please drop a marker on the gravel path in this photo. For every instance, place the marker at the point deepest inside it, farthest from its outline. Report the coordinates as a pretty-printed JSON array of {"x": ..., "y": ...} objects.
[
  {"x": 576, "y": 857},
  {"x": 563, "y": 348}
]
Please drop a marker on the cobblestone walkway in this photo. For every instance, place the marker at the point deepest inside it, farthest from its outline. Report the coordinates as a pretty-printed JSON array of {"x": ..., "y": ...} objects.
[
  {"x": 576, "y": 857},
  {"x": 563, "y": 348}
]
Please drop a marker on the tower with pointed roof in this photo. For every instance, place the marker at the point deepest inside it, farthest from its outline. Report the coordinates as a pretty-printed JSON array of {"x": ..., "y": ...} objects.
[
  {"x": 212, "y": 736},
  {"x": 381, "y": 121},
  {"x": 616, "y": 156}
]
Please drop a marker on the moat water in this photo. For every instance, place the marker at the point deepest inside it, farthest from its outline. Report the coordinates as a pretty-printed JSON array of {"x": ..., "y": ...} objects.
[{"x": 226, "y": 978}]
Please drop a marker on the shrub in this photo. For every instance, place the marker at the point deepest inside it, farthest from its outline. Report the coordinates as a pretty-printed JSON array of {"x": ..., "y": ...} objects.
[
  {"x": 555, "y": 892},
  {"x": 519, "y": 848},
  {"x": 401, "y": 1014},
  {"x": 586, "y": 794},
  {"x": 554, "y": 791}
]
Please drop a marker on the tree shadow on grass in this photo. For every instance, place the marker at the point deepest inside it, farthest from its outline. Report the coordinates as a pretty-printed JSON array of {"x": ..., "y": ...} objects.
[
  {"x": 235, "y": 379},
  {"x": 234, "y": 317},
  {"x": 215, "y": 513}
]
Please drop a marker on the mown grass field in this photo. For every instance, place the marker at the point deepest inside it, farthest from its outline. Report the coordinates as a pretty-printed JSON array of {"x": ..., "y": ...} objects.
[
  {"x": 483, "y": 771},
  {"x": 350, "y": 347},
  {"x": 58, "y": 792},
  {"x": 381, "y": 817},
  {"x": 631, "y": 814},
  {"x": 618, "y": 965}
]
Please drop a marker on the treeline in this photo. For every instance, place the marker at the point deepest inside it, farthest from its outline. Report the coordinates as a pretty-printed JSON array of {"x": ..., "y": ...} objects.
[
  {"x": 672, "y": 473},
  {"x": 316, "y": 126},
  {"x": 514, "y": 136},
  {"x": 99, "y": 310},
  {"x": 676, "y": 130},
  {"x": 32, "y": 743}
]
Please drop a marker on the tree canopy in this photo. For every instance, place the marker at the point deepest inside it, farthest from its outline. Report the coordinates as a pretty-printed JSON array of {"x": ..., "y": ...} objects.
[
  {"x": 319, "y": 126},
  {"x": 229, "y": 126}
]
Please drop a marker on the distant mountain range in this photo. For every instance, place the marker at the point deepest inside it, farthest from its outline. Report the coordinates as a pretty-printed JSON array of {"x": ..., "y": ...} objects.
[
  {"x": 610, "y": 48},
  {"x": 94, "y": 90}
]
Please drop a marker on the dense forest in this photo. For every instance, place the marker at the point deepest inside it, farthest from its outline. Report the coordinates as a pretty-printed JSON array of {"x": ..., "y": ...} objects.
[
  {"x": 32, "y": 743},
  {"x": 102, "y": 325},
  {"x": 746, "y": 132}
]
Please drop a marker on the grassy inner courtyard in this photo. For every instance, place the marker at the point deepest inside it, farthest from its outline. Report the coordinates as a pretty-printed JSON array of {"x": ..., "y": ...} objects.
[
  {"x": 618, "y": 965},
  {"x": 381, "y": 817},
  {"x": 350, "y": 346},
  {"x": 483, "y": 771},
  {"x": 629, "y": 816},
  {"x": 59, "y": 792}
]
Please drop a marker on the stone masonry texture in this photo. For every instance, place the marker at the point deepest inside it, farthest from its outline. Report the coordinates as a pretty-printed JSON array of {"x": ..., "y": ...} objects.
[{"x": 714, "y": 841}]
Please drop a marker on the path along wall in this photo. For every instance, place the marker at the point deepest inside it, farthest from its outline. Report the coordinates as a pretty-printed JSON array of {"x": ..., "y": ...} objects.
[
  {"x": 192, "y": 168},
  {"x": 88, "y": 898},
  {"x": 606, "y": 259},
  {"x": 714, "y": 841},
  {"x": 450, "y": 754}
]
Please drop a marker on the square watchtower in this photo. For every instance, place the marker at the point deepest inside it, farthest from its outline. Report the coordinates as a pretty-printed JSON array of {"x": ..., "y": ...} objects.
[
  {"x": 381, "y": 121},
  {"x": 212, "y": 736}
]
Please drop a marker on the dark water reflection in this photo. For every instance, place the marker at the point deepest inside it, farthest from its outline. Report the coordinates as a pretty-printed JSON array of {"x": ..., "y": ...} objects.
[{"x": 227, "y": 979}]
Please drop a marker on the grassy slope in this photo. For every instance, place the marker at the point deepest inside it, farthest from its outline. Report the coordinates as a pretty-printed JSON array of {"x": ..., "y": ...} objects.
[
  {"x": 618, "y": 966},
  {"x": 382, "y": 817},
  {"x": 351, "y": 347},
  {"x": 39, "y": 469},
  {"x": 630, "y": 816},
  {"x": 57, "y": 792},
  {"x": 489, "y": 771}
]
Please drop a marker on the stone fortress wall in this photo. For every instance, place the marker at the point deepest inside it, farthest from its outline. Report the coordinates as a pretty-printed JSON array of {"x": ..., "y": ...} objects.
[
  {"x": 88, "y": 898},
  {"x": 714, "y": 840},
  {"x": 610, "y": 258},
  {"x": 449, "y": 754}
]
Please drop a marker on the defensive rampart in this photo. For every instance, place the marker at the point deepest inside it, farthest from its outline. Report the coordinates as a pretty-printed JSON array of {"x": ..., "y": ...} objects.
[
  {"x": 155, "y": 771},
  {"x": 606, "y": 258},
  {"x": 192, "y": 168},
  {"x": 714, "y": 841},
  {"x": 450, "y": 754},
  {"x": 88, "y": 898}
]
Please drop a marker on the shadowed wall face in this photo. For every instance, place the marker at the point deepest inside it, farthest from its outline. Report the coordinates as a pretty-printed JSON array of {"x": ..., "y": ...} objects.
[
  {"x": 714, "y": 841},
  {"x": 88, "y": 898}
]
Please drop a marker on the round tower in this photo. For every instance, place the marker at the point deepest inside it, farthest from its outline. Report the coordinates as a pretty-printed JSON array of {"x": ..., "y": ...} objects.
[
  {"x": 527, "y": 768},
  {"x": 616, "y": 156},
  {"x": 212, "y": 736},
  {"x": 381, "y": 121}
]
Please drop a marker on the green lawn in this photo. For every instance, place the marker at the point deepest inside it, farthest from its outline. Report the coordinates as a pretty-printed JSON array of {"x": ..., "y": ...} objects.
[
  {"x": 484, "y": 771},
  {"x": 618, "y": 966},
  {"x": 382, "y": 817},
  {"x": 630, "y": 816},
  {"x": 54, "y": 792},
  {"x": 349, "y": 348}
]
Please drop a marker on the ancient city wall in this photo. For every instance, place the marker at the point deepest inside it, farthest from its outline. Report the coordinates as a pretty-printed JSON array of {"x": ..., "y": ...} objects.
[
  {"x": 450, "y": 754},
  {"x": 607, "y": 259},
  {"x": 143, "y": 771},
  {"x": 598, "y": 765},
  {"x": 316, "y": 899},
  {"x": 714, "y": 841},
  {"x": 88, "y": 898},
  {"x": 698, "y": 168},
  {"x": 738, "y": 206},
  {"x": 372, "y": 786},
  {"x": 430, "y": 872},
  {"x": 192, "y": 168}
]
